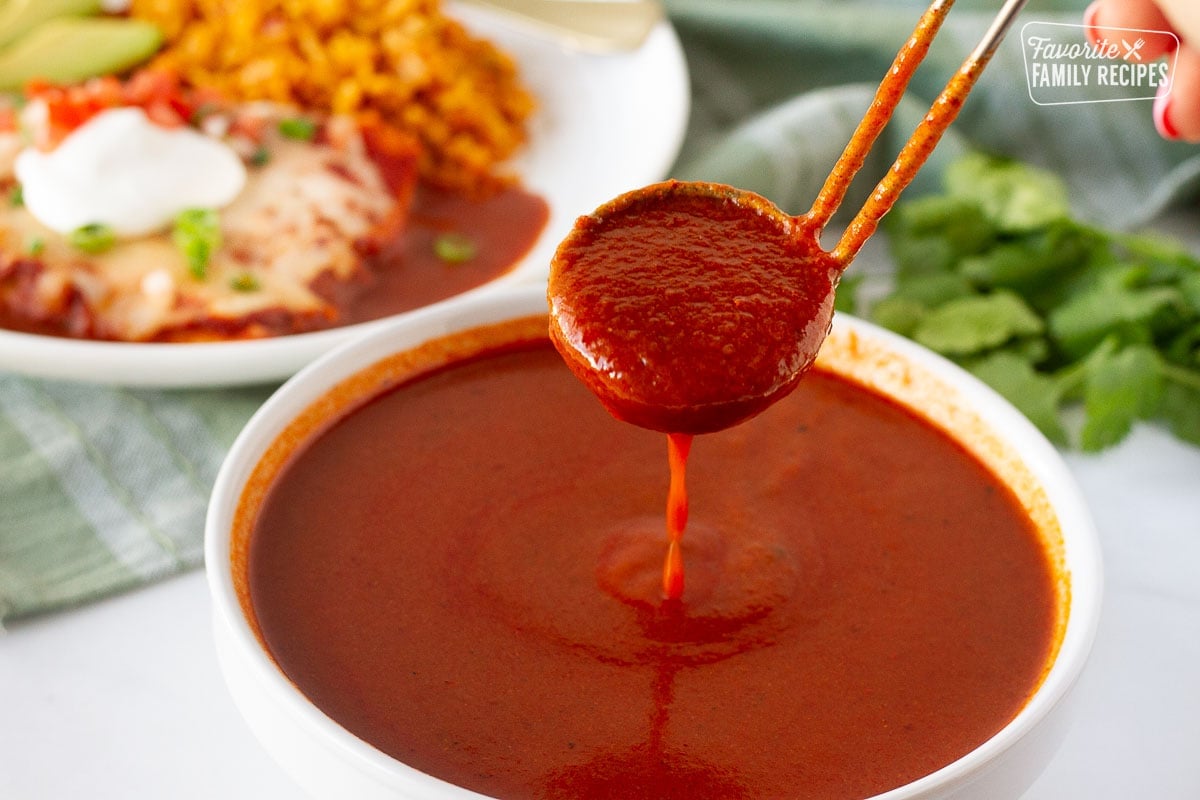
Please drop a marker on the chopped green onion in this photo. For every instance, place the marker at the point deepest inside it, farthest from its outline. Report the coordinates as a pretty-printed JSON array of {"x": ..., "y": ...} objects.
[
  {"x": 16, "y": 198},
  {"x": 260, "y": 157},
  {"x": 94, "y": 238},
  {"x": 197, "y": 234},
  {"x": 36, "y": 246},
  {"x": 298, "y": 128},
  {"x": 454, "y": 248},
  {"x": 245, "y": 282}
]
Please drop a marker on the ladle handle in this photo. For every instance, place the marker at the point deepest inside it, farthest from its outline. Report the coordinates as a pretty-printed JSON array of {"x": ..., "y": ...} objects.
[
  {"x": 919, "y": 146},
  {"x": 996, "y": 32},
  {"x": 883, "y": 104}
]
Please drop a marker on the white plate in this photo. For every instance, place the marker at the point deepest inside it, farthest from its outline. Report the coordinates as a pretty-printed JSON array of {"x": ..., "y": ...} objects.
[{"x": 605, "y": 124}]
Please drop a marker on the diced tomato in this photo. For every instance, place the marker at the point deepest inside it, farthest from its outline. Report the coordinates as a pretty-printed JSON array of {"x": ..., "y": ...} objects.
[
  {"x": 105, "y": 92},
  {"x": 148, "y": 86},
  {"x": 164, "y": 114},
  {"x": 158, "y": 92}
]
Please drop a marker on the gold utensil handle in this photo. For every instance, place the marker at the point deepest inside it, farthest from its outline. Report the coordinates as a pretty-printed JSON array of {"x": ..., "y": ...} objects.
[{"x": 599, "y": 26}]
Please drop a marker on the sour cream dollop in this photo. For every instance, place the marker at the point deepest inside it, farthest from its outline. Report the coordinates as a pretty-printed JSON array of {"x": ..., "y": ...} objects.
[{"x": 121, "y": 170}]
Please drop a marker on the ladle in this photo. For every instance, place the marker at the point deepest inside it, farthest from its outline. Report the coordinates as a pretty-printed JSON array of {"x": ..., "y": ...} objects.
[{"x": 688, "y": 306}]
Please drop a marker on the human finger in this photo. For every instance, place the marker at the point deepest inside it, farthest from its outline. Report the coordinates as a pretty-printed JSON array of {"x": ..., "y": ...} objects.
[
  {"x": 1177, "y": 112},
  {"x": 1140, "y": 15}
]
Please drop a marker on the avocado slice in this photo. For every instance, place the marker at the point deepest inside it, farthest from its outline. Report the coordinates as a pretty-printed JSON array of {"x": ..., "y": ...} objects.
[
  {"x": 72, "y": 49},
  {"x": 19, "y": 17}
]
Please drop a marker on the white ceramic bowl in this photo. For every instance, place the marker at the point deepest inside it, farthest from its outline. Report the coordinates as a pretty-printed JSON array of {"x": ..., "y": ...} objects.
[{"x": 330, "y": 762}]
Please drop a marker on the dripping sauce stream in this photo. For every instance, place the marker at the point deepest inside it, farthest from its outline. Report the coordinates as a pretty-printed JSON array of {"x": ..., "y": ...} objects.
[{"x": 678, "y": 447}]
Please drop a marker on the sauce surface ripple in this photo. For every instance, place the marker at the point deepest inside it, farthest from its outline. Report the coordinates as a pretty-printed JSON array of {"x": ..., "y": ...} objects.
[{"x": 471, "y": 581}]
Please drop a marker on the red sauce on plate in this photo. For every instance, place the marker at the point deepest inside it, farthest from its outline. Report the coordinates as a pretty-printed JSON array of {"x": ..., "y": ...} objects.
[
  {"x": 466, "y": 572},
  {"x": 502, "y": 228}
]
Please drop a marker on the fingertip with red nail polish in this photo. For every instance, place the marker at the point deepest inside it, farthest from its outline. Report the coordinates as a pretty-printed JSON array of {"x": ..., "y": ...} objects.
[{"x": 1162, "y": 113}]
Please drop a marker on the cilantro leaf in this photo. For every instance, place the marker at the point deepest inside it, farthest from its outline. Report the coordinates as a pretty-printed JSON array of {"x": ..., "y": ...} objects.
[
  {"x": 922, "y": 255},
  {"x": 1034, "y": 263},
  {"x": 959, "y": 222},
  {"x": 1014, "y": 196},
  {"x": 1180, "y": 410},
  {"x": 1109, "y": 309},
  {"x": 1035, "y": 395},
  {"x": 1189, "y": 287},
  {"x": 934, "y": 289},
  {"x": 899, "y": 314},
  {"x": 971, "y": 325},
  {"x": 1166, "y": 257},
  {"x": 1051, "y": 311},
  {"x": 1184, "y": 347},
  {"x": 1121, "y": 387}
]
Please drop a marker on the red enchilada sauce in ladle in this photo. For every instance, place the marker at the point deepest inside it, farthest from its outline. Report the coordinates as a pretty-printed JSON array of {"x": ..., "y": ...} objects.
[{"x": 688, "y": 307}]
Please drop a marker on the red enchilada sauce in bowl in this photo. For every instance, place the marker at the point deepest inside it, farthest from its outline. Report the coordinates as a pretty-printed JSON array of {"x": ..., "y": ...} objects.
[{"x": 465, "y": 572}]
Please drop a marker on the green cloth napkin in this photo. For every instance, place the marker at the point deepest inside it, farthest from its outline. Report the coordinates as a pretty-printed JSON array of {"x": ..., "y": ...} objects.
[{"x": 104, "y": 488}]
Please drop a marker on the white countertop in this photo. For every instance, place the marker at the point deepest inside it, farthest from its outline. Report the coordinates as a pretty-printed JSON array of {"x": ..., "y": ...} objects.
[{"x": 123, "y": 698}]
